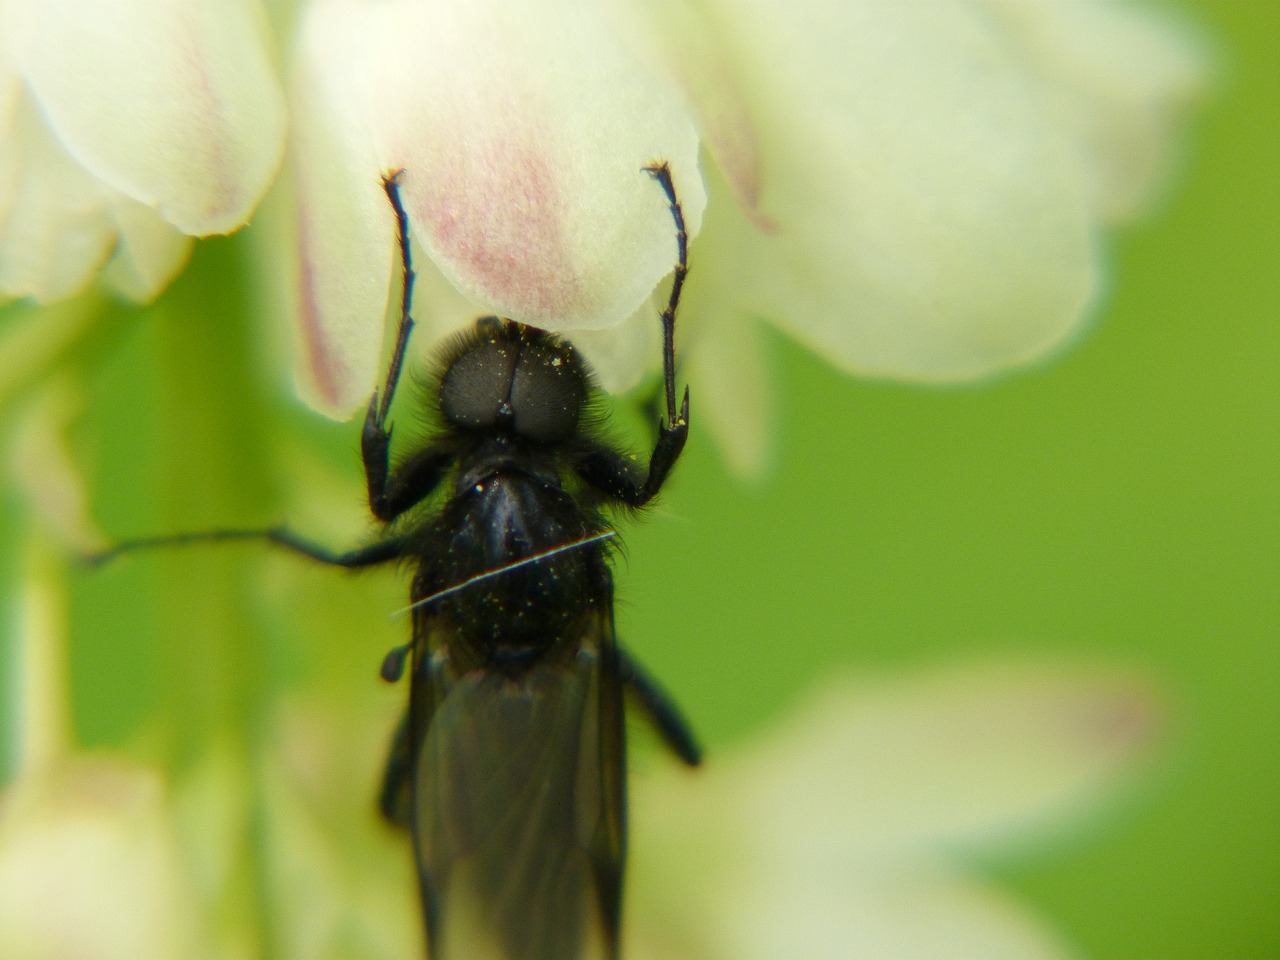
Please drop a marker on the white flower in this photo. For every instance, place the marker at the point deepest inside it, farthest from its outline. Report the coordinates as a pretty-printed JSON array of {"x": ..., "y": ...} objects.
[
  {"x": 91, "y": 866},
  {"x": 127, "y": 127},
  {"x": 844, "y": 833},
  {"x": 913, "y": 190}
]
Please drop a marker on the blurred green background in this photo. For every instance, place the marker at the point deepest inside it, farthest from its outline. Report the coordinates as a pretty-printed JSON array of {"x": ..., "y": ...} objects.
[
  {"x": 1120, "y": 502},
  {"x": 1123, "y": 501}
]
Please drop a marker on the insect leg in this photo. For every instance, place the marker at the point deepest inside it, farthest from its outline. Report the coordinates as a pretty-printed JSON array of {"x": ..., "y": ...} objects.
[
  {"x": 604, "y": 468},
  {"x": 614, "y": 474},
  {"x": 381, "y": 551},
  {"x": 389, "y": 496},
  {"x": 378, "y": 411},
  {"x": 392, "y": 492},
  {"x": 396, "y": 799},
  {"x": 659, "y": 709},
  {"x": 662, "y": 173}
]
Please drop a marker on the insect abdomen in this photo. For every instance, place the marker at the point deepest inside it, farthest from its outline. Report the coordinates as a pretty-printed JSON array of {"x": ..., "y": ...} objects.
[{"x": 512, "y": 770}]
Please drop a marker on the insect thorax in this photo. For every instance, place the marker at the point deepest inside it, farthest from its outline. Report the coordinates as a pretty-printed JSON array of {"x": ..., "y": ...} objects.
[{"x": 538, "y": 609}]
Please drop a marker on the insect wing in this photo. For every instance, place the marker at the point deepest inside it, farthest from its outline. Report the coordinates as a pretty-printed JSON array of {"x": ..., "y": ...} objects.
[{"x": 518, "y": 806}]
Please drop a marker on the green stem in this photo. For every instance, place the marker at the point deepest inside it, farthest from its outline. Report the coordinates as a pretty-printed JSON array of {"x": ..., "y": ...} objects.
[{"x": 215, "y": 470}]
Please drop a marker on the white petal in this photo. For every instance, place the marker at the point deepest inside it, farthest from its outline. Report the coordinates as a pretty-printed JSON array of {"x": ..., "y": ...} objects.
[
  {"x": 730, "y": 389},
  {"x": 930, "y": 220},
  {"x": 522, "y": 130},
  {"x": 90, "y": 867},
  {"x": 341, "y": 881},
  {"x": 972, "y": 755},
  {"x": 440, "y": 311},
  {"x": 11, "y": 159},
  {"x": 886, "y": 772},
  {"x": 735, "y": 396},
  {"x": 685, "y": 41},
  {"x": 744, "y": 913},
  {"x": 1122, "y": 81},
  {"x": 58, "y": 231},
  {"x": 345, "y": 228},
  {"x": 171, "y": 102},
  {"x": 915, "y": 915},
  {"x": 620, "y": 356},
  {"x": 148, "y": 254},
  {"x": 830, "y": 838},
  {"x": 10, "y": 81}
]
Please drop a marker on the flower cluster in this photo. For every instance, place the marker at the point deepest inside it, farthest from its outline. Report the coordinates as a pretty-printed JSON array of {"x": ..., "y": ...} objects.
[
  {"x": 126, "y": 128},
  {"x": 913, "y": 190}
]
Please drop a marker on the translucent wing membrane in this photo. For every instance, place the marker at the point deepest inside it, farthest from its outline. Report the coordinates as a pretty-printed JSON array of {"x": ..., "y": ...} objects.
[{"x": 516, "y": 799}]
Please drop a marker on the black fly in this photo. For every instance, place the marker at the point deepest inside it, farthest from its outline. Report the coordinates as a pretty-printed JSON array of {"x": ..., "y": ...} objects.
[{"x": 509, "y": 768}]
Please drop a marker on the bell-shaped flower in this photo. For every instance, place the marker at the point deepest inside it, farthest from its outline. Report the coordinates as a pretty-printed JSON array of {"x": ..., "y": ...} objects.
[
  {"x": 522, "y": 130},
  {"x": 126, "y": 128},
  {"x": 915, "y": 191}
]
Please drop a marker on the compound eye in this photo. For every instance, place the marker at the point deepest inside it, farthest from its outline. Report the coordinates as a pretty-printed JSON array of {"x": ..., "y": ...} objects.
[
  {"x": 548, "y": 392},
  {"x": 475, "y": 388}
]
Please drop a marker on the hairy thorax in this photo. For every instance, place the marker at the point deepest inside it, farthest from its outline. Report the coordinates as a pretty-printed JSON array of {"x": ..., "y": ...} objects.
[{"x": 500, "y": 515}]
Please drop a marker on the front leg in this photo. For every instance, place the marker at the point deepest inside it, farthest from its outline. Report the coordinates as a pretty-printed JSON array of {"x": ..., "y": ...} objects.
[
  {"x": 375, "y": 454},
  {"x": 614, "y": 475},
  {"x": 391, "y": 493},
  {"x": 604, "y": 468}
]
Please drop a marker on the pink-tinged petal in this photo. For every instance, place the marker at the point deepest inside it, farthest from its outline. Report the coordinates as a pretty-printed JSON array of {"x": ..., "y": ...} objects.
[
  {"x": 345, "y": 229},
  {"x": 57, "y": 232},
  {"x": 522, "y": 129},
  {"x": 980, "y": 754},
  {"x": 171, "y": 102},
  {"x": 1123, "y": 82},
  {"x": 930, "y": 220},
  {"x": 149, "y": 252}
]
